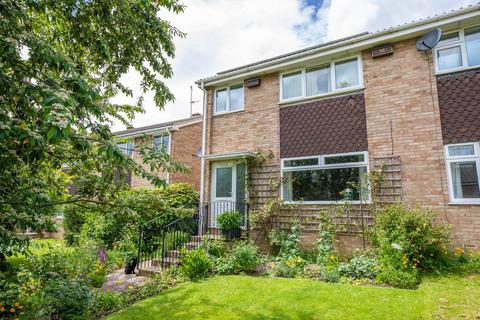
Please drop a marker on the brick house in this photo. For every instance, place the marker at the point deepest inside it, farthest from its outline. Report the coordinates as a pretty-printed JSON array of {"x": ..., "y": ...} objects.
[
  {"x": 182, "y": 140},
  {"x": 333, "y": 112}
]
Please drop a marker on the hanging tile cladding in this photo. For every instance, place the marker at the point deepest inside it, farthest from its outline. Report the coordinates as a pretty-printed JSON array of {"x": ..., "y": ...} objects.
[
  {"x": 459, "y": 99},
  {"x": 328, "y": 126}
]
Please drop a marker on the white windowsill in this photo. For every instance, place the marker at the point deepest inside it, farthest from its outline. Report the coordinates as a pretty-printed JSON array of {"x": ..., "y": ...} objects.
[
  {"x": 464, "y": 203},
  {"x": 460, "y": 69},
  {"x": 217, "y": 114},
  {"x": 318, "y": 96}
]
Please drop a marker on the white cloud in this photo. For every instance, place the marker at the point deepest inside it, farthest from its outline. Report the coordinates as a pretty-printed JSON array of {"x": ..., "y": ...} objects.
[{"x": 227, "y": 33}]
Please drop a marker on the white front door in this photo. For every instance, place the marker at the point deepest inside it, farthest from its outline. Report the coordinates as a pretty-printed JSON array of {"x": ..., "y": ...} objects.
[
  {"x": 228, "y": 189},
  {"x": 223, "y": 191}
]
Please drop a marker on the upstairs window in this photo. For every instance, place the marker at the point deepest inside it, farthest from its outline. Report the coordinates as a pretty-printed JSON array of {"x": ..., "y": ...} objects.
[
  {"x": 126, "y": 147},
  {"x": 229, "y": 99},
  {"x": 162, "y": 142},
  {"x": 458, "y": 50},
  {"x": 320, "y": 80},
  {"x": 463, "y": 168},
  {"x": 325, "y": 179}
]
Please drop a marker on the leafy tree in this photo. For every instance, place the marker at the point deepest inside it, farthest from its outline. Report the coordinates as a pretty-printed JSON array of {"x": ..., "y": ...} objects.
[{"x": 61, "y": 62}]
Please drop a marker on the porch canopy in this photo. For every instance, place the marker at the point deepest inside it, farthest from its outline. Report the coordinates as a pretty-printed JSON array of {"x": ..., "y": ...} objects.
[{"x": 229, "y": 156}]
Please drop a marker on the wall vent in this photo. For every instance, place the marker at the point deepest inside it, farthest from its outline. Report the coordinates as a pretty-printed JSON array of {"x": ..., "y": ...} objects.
[
  {"x": 250, "y": 83},
  {"x": 382, "y": 51}
]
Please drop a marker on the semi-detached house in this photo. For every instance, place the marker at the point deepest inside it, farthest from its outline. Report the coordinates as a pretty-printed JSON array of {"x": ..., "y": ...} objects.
[{"x": 333, "y": 112}]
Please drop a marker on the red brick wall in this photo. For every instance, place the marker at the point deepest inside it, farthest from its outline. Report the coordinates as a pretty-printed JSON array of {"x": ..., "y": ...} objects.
[
  {"x": 398, "y": 103},
  {"x": 186, "y": 141}
]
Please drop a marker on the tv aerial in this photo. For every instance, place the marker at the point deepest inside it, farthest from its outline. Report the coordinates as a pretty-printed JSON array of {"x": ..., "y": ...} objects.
[{"x": 429, "y": 40}]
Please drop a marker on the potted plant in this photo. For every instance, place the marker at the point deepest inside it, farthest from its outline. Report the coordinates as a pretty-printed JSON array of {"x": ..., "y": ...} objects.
[{"x": 229, "y": 223}]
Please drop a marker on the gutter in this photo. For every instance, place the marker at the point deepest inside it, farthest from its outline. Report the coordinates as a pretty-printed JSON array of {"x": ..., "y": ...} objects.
[{"x": 204, "y": 140}]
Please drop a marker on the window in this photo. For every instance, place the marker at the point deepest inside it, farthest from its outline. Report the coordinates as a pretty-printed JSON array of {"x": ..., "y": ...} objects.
[
  {"x": 346, "y": 74},
  {"x": 126, "y": 147},
  {"x": 458, "y": 50},
  {"x": 463, "y": 168},
  {"x": 325, "y": 179},
  {"x": 229, "y": 99},
  {"x": 161, "y": 142},
  {"x": 320, "y": 80}
]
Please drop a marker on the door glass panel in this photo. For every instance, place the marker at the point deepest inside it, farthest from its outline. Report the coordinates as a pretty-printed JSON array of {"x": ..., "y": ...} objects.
[
  {"x": 224, "y": 182},
  {"x": 465, "y": 180}
]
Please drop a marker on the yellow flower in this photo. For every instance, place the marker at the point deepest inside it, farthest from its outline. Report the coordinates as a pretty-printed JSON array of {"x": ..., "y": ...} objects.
[
  {"x": 16, "y": 305},
  {"x": 2, "y": 309},
  {"x": 130, "y": 287},
  {"x": 12, "y": 310}
]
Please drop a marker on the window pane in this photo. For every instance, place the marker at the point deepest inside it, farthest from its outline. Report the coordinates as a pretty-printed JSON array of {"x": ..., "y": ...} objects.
[
  {"x": 221, "y": 100},
  {"x": 346, "y": 74},
  {"x": 127, "y": 148},
  {"x": 449, "y": 58},
  {"x": 451, "y": 37},
  {"x": 318, "y": 81},
  {"x": 161, "y": 142},
  {"x": 345, "y": 159},
  {"x": 472, "y": 39},
  {"x": 465, "y": 180},
  {"x": 236, "y": 97},
  {"x": 302, "y": 162},
  {"x": 323, "y": 185},
  {"x": 224, "y": 183},
  {"x": 466, "y": 150},
  {"x": 292, "y": 85}
]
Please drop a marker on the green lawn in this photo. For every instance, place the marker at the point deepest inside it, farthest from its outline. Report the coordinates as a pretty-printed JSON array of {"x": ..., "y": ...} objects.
[{"x": 242, "y": 297}]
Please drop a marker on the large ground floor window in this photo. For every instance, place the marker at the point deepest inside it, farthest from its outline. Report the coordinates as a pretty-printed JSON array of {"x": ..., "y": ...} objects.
[
  {"x": 463, "y": 168},
  {"x": 326, "y": 178}
]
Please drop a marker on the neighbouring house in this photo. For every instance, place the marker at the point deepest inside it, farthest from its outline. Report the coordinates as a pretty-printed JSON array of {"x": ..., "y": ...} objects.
[
  {"x": 181, "y": 139},
  {"x": 330, "y": 113}
]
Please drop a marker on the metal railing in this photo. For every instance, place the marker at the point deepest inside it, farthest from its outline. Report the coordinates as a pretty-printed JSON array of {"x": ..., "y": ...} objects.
[{"x": 160, "y": 245}]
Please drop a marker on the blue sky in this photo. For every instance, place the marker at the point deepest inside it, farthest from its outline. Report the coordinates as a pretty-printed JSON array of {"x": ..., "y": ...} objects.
[{"x": 222, "y": 34}]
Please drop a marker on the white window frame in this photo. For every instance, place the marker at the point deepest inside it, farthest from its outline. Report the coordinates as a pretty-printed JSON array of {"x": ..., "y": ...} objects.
[
  {"x": 451, "y": 44},
  {"x": 127, "y": 142},
  {"x": 228, "y": 108},
  {"x": 332, "y": 90},
  {"x": 458, "y": 159},
  {"x": 322, "y": 165},
  {"x": 161, "y": 135}
]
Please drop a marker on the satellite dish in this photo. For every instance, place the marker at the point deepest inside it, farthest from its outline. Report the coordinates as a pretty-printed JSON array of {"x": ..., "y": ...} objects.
[{"x": 429, "y": 40}]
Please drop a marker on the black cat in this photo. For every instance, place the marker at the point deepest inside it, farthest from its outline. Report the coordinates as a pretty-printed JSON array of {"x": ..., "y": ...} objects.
[{"x": 130, "y": 266}]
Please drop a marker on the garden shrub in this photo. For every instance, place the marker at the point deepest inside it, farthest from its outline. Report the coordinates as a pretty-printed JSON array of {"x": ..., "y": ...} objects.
[
  {"x": 409, "y": 238},
  {"x": 243, "y": 258},
  {"x": 286, "y": 244},
  {"x": 288, "y": 267},
  {"x": 229, "y": 223},
  {"x": 360, "y": 266},
  {"x": 216, "y": 248},
  {"x": 117, "y": 226},
  {"x": 324, "y": 246},
  {"x": 330, "y": 274},
  {"x": 195, "y": 264},
  {"x": 61, "y": 299},
  {"x": 10, "y": 300},
  {"x": 398, "y": 278}
]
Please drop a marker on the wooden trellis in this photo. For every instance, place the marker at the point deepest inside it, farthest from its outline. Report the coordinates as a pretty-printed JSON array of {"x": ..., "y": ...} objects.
[{"x": 390, "y": 189}]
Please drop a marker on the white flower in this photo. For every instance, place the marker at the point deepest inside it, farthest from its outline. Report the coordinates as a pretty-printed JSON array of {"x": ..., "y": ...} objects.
[{"x": 396, "y": 246}]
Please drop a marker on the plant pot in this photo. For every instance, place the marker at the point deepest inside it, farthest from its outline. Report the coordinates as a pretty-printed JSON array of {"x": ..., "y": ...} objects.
[{"x": 231, "y": 234}]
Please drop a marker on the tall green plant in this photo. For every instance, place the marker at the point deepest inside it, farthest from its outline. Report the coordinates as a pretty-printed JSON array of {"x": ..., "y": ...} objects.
[{"x": 61, "y": 63}]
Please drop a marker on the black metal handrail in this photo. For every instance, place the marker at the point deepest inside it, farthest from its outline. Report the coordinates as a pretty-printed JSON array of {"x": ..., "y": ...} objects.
[{"x": 160, "y": 243}]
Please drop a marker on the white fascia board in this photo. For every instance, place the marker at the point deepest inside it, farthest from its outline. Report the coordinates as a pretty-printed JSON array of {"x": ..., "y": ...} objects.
[
  {"x": 229, "y": 156},
  {"x": 348, "y": 47},
  {"x": 149, "y": 132}
]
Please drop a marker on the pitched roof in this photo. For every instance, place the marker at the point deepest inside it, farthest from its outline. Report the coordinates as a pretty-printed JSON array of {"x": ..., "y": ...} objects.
[
  {"x": 339, "y": 43},
  {"x": 159, "y": 126}
]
